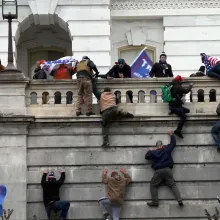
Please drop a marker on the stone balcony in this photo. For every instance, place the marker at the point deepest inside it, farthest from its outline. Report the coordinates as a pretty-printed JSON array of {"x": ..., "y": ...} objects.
[{"x": 57, "y": 98}]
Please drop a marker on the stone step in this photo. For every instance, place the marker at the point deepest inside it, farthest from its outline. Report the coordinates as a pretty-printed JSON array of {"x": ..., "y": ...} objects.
[
  {"x": 125, "y": 156},
  {"x": 92, "y": 174},
  {"x": 135, "y": 191},
  {"x": 132, "y": 210}
]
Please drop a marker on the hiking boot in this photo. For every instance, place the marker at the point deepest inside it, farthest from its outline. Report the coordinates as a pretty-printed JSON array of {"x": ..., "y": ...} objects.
[
  {"x": 180, "y": 203},
  {"x": 105, "y": 144},
  {"x": 90, "y": 113},
  {"x": 78, "y": 113},
  {"x": 178, "y": 133},
  {"x": 153, "y": 204},
  {"x": 107, "y": 216},
  {"x": 129, "y": 115}
]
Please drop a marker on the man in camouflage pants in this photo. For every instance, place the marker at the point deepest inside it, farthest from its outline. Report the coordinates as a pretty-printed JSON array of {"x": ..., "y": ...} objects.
[
  {"x": 109, "y": 111},
  {"x": 84, "y": 84}
]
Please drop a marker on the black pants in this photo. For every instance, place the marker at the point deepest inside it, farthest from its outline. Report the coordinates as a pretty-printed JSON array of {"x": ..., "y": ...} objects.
[
  {"x": 163, "y": 175},
  {"x": 181, "y": 112}
]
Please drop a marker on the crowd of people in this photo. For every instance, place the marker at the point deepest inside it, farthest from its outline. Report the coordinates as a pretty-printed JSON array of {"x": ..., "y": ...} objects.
[{"x": 161, "y": 157}]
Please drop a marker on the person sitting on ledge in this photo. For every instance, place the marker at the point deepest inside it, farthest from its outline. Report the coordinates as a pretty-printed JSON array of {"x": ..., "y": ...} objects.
[
  {"x": 162, "y": 163},
  {"x": 51, "y": 195},
  {"x": 162, "y": 68},
  {"x": 176, "y": 106},
  {"x": 111, "y": 205},
  {"x": 212, "y": 65}
]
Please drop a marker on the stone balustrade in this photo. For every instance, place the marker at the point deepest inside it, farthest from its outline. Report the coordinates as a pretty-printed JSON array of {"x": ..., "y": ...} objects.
[{"x": 46, "y": 96}]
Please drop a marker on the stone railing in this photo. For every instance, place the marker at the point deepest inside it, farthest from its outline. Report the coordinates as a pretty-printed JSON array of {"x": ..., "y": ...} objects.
[{"x": 63, "y": 93}]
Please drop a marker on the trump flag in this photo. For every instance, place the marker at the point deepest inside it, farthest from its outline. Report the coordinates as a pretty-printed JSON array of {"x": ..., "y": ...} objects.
[{"x": 141, "y": 66}]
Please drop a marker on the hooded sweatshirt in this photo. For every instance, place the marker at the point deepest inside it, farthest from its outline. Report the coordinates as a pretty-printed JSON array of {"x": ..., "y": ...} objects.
[
  {"x": 116, "y": 187},
  {"x": 107, "y": 101}
]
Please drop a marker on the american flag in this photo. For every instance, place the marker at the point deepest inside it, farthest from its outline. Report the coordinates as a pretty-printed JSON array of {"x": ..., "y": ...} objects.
[{"x": 210, "y": 62}]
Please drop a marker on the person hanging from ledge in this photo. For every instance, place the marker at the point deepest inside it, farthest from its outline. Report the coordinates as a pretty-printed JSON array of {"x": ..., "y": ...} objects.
[
  {"x": 1, "y": 66},
  {"x": 121, "y": 70},
  {"x": 162, "y": 163},
  {"x": 110, "y": 112},
  {"x": 161, "y": 68},
  {"x": 51, "y": 195},
  {"x": 84, "y": 83},
  {"x": 212, "y": 65},
  {"x": 111, "y": 205},
  {"x": 176, "y": 106}
]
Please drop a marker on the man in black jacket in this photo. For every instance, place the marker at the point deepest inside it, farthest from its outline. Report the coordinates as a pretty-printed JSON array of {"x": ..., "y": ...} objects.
[
  {"x": 51, "y": 195},
  {"x": 162, "y": 163},
  {"x": 162, "y": 68},
  {"x": 176, "y": 106},
  {"x": 120, "y": 70},
  {"x": 39, "y": 73}
]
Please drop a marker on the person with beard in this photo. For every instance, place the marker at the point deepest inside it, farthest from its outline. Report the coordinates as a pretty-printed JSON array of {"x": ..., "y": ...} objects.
[
  {"x": 176, "y": 106},
  {"x": 51, "y": 195},
  {"x": 162, "y": 68},
  {"x": 111, "y": 205}
]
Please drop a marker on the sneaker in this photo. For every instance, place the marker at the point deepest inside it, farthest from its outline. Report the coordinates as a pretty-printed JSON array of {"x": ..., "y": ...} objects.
[
  {"x": 180, "y": 204},
  {"x": 78, "y": 113},
  {"x": 153, "y": 204},
  {"x": 107, "y": 216},
  {"x": 178, "y": 133},
  {"x": 90, "y": 113},
  {"x": 105, "y": 144}
]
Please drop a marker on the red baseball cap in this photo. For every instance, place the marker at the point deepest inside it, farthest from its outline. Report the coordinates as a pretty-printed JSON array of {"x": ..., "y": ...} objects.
[
  {"x": 179, "y": 78},
  {"x": 42, "y": 61}
]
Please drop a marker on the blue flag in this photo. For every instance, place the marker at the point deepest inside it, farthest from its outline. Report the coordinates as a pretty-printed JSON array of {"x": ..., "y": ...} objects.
[
  {"x": 3, "y": 191},
  {"x": 142, "y": 65}
]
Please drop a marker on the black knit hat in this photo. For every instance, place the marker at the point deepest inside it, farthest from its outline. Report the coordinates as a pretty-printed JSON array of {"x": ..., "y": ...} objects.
[{"x": 163, "y": 54}]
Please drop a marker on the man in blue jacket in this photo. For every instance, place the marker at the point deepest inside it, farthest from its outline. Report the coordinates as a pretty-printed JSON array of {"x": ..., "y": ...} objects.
[{"x": 162, "y": 163}]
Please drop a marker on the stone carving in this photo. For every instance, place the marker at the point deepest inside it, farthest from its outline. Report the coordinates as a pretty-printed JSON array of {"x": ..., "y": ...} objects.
[{"x": 163, "y": 4}]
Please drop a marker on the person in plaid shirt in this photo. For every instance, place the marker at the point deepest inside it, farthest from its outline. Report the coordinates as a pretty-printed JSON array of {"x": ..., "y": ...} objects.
[{"x": 212, "y": 65}]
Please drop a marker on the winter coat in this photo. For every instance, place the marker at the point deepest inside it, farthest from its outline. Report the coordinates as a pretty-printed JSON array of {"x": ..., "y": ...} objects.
[
  {"x": 177, "y": 92},
  {"x": 39, "y": 74},
  {"x": 51, "y": 189},
  {"x": 161, "y": 157},
  {"x": 161, "y": 70},
  {"x": 116, "y": 187},
  {"x": 115, "y": 70}
]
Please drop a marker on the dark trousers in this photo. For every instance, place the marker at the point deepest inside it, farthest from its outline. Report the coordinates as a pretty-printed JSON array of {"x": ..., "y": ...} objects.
[
  {"x": 95, "y": 89},
  {"x": 163, "y": 175},
  {"x": 181, "y": 112},
  {"x": 58, "y": 206},
  {"x": 215, "y": 133},
  {"x": 108, "y": 116},
  {"x": 214, "y": 71}
]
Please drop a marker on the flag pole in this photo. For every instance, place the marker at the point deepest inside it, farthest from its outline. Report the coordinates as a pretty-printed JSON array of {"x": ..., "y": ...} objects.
[{"x": 138, "y": 56}]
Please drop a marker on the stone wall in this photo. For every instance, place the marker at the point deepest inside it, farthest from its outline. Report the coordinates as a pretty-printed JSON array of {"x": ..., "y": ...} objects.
[{"x": 75, "y": 145}]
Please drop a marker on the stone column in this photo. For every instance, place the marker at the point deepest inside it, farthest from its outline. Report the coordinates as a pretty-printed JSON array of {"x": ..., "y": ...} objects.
[{"x": 13, "y": 143}]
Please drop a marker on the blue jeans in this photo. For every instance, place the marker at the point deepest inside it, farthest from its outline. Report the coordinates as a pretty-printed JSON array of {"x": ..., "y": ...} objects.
[
  {"x": 215, "y": 133},
  {"x": 108, "y": 208},
  {"x": 62, "y": 206},
  {"x": 214, "y": 71},
  {"x": 181, "y": 112}
]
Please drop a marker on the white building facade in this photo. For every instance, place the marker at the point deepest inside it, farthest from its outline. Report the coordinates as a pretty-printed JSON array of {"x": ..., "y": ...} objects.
[{"x": 107, "y": 29}]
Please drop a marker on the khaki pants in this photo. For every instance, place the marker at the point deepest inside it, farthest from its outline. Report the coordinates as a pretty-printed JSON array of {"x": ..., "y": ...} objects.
[{"x": 84, "y": 85}]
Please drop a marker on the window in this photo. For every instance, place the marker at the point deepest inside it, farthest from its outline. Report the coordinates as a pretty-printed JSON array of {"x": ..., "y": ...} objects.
[
  {"x": 49, "y": 54},
  {"x": 130, "y": 53}
]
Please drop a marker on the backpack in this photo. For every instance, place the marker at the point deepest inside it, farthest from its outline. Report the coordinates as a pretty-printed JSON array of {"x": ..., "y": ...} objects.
[{"x": 166, "y": 93}]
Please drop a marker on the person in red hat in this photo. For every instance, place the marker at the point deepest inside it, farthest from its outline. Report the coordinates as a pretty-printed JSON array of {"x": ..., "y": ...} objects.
[
  {"x": 39, "y": 73},
  {"x": 51, "y": 195},
  {"x": 176, "y": 106},
  {"x": 111, "y": 205}
]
